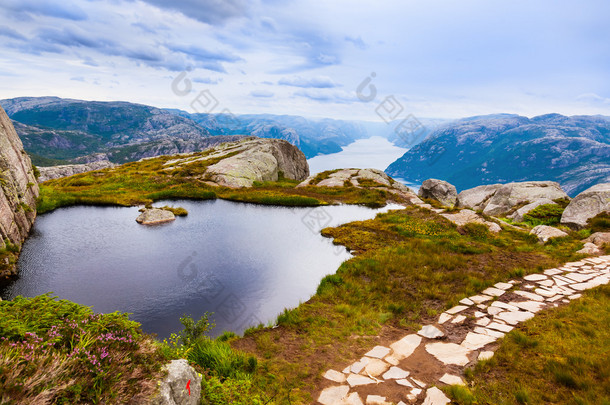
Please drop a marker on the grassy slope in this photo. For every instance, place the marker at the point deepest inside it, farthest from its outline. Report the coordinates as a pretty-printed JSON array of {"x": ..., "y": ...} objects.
[
  {"x": 411, "y": 265},
  {"x": 559, "y": 357}
]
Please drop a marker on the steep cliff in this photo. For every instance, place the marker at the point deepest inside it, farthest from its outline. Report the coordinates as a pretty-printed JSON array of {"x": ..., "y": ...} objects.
[{"x": 18, "y": 193}]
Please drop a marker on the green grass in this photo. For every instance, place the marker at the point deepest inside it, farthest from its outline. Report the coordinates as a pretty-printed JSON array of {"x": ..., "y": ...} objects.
[
  {"x": 559, "y": 357},
  {"x": 56, "y": 351},
  {"x": 548, "y": 214},
  {"x": 410, "y": 267}
]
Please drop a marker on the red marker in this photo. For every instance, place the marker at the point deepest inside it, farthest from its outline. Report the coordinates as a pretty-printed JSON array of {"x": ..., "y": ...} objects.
[{"x": 188, "y": 387}]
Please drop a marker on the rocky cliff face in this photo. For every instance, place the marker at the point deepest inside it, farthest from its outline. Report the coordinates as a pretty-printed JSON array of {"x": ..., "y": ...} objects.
[
  {"x": 18, "y": 193},
  {"x": 56, "y": 172}
]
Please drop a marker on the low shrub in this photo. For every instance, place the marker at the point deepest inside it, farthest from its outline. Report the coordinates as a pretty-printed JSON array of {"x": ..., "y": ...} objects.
[{"x": 547, "y": 214}]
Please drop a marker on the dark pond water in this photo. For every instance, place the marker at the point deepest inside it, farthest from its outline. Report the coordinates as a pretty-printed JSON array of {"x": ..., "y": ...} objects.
[{"x": 244, "y": 262}]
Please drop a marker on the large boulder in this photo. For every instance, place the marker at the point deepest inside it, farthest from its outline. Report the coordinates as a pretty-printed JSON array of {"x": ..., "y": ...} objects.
[
  {"x": 440, "y": 191},
  {"x": 174, "y": 389},
  {"x": 500, "y": 199},
  {"x": 240, "y": 164},
  {"x": 518, "y": 215},
  {"x": 545, "y": 232},
  {"x": 478, "y": 197},
  {"x": 56, "y": 172},
  {"x": 154, "y": 216},
  {"x": 586, "y": 205},
  {"x": 18, "y": 191}
]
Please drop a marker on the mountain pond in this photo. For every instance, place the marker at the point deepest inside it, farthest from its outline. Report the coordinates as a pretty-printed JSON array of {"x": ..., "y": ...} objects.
[{"x": 243, "y": 262}]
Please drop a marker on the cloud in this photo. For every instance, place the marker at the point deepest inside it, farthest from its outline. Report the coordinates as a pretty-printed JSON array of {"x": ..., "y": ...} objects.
[
  {"x": 593, "y": 98},
  {"x": 207, "y": 59},
  {"x": 318, "y": 82},
  {"x": 357, "y": 42},
  {"x": 78, "y": 79},
  {"x": 338, "y": 97},
  {"x": 213, "y": 12},
  {"x": 11, "y": 33},
  {"x": 261, "y": 94},
  {"x": 24, "y": 9},
  {"x": 206, "y": 80}
]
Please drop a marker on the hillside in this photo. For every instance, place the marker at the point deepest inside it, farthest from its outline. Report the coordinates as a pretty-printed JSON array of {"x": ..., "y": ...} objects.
[{"x": 574, "y": 151}]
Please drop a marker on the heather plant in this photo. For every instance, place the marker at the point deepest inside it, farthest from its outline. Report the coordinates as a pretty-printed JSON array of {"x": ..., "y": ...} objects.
[{"x": 56, "y": 351}]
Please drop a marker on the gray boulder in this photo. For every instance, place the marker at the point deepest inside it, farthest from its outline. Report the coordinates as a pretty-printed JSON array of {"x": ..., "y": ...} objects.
[
  {"x": 590, "y": 249},
  {"x": 478, "y": 197},
  {"x": 240, "y": 164},
  {"x": 499, "y": 199},
  {"x": 545, "y": 232},
  {"x": 440, "y": 191},
  {"x": 56, "y": 172},
  {"x": 586, "y": 205},
  {"x": 599, "y": 238},
  {"x": 173, "y": 389},
  {"x": 153, "y": 216},
  {"x": 518, "y": 215}
]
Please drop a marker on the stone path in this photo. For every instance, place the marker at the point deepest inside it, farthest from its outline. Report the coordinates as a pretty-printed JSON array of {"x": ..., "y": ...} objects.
[{"x": 410, "y": 369}]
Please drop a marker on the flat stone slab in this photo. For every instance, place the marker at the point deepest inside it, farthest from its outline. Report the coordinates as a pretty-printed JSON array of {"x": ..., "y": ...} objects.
[
  {"x": 500, "y": 326},
  {"x": 503, "y": 286},
  {"x": 459, "y": 319},
  {"x": 376, "y": 400},
  {"x": 479, "y": 299},
  {"x": 449, "y": 353},
  {"x": 490, "y": 332},
  {"x": 530, "y": 295},
  {"x": 431, "y": 332},
  {"x": 531, "y": 306},
  {"x": 496, "y": 292},
  {"x": 356, "y": 380},
  {"x": 483, "y": 321},
  {"x": 485, "y": 355},
  {"x": 466, "y": 301},
  {"x": 434, "y": 396},
  {"x": 352, "y": 399},
  {"x": 552, "y": 272},
  {"x": 444, "y": 317},
  {"x": 404, "y": 382},
  {"x": 378, "y": 352},
  {"x": 456, "y": 309},
  {"x": 376, "y": 367},
  {"x": 359, "y": 365},
  {"x": 405, "y": 346},
  {"x": 504, "y": 305},
  {"x": 333, "y": 395},
  {"x": 513, "y": 318},
  {"x": 451, "y": 380},
  {"x": 546, "y": 293},
  {"x": 395, "y": 373},
  {"x": 419, "y": 383},
  {"x": 474, "y": 341},
  {"x": 335, "y": 376},
  {"x": 535, "y": 277}
]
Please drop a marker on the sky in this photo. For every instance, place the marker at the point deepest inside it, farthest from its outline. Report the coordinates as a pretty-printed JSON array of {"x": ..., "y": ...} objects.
[{"x": 344, "y": 59}]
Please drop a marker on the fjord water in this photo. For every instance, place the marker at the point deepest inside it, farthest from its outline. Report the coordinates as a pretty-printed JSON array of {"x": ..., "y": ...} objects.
[{"x": 244, "y": 262}]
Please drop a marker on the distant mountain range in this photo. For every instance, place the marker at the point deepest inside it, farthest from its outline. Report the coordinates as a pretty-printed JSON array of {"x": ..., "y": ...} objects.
[
  {"x": 575, "y": 151},
  {"x": 55, "y": 130}
]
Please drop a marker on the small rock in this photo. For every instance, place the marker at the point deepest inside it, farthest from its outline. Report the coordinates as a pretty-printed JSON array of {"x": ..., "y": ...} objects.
[
  {"x": 459, "y": 319},
  {"x": 332, "y": 395},
  {"x": 545, "y": 232},
  {"x": 335, "y": 376},
  {"x": 434, "y": 396},
  {"x": 451, "y": 380},
  {"x": 155, "y": 216},
  {"x": 485, "y": 355},
  {"x": 376, "y": 367},
  {"x": 430, "y": 332},
  {"x": 444, "y": 317},
  {"x": 404, "y": 382},
  {"x": 378, "y": 352},
  {"x": 395, "y": 373}
]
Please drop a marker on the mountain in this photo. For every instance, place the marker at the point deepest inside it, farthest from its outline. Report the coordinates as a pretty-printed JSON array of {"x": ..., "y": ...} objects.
[
  {"x": 59, "y": 131},
  {"x": 312, "y": 136},
  {"x": 574, "y": 151},
  {"x": 18, "y": 193}
]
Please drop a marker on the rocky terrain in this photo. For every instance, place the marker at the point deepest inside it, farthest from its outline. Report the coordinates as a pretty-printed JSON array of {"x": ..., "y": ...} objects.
[
  {"x": 56, "y": 172},
  {"x": 18, "y": 193},
  {"x": 240, "y": 164},
  {"x": 573, "y": 151}
]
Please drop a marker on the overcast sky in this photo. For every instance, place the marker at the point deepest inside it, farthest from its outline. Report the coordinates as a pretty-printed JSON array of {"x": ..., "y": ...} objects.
[{"x": 443, "y": 59}]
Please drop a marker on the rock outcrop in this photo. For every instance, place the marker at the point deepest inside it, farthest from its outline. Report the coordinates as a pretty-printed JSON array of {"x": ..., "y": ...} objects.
[
  {"x": 440, "y": 191},
  {"x": 467, "y": 216},
  {"x": 501, "y": 199},
  {"x": 56, "y": 172},
  {"x": 545, "y": 232},
  {"x": 240, "y": 164},
  {"x": 364, "y": 178},
  {"x": 18, "y": 192},
  {"x": 586, "y": 205},
  {"x": 518, "y": 215},
  {"x": 599, "y": 238},
  {"x": 154, "y": 216},
  {"x": 181, "y": 386}
]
